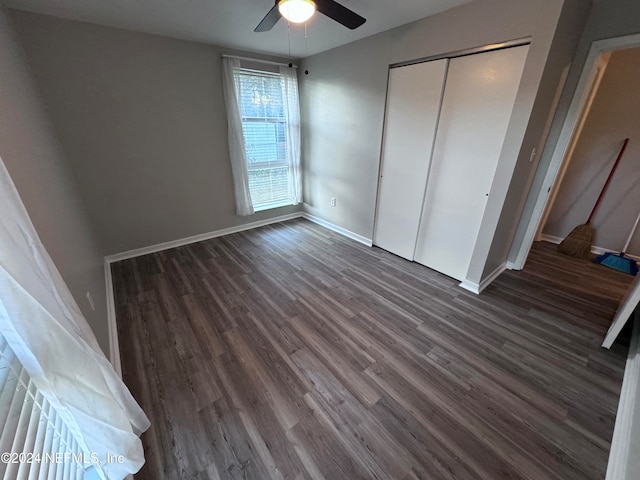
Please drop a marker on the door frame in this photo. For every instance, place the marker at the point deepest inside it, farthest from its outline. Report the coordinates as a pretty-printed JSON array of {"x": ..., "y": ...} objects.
[
  {"x": 570, "y": 128},
  {"x": 624, "y": 313}
]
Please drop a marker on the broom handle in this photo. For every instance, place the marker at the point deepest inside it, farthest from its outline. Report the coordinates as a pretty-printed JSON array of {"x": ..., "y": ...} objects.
[
  {"x": 606, "y": 184},
  {"x": 633, "y": 230}
]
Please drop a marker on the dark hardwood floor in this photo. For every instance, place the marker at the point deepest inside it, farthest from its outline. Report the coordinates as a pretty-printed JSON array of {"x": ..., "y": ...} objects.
[{"x": 290, "y": 352}]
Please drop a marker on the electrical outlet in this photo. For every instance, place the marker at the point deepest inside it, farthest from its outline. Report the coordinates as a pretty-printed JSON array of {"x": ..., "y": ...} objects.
[
  {"x": 91, "y": 303},
  {"x": 333, "y": 201}
]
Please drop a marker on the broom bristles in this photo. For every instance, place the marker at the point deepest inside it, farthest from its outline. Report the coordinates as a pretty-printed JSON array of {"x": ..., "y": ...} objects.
[{"x": 578, "y": 243}]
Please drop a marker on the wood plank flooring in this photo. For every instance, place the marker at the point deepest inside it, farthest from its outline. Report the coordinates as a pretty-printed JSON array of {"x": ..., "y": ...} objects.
[{"x": 290, "y": 352}]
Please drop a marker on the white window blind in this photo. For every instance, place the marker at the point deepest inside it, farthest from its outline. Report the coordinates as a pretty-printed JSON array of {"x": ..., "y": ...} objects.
[
  {"x": 264, "y": 126},
  {"x": 35, "y": 443}
]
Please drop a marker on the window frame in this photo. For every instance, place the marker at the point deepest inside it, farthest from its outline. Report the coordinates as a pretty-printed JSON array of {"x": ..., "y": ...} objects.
[{"x": 268, "y": 164}]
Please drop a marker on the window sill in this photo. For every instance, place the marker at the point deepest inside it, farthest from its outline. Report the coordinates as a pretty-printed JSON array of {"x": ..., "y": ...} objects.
[{"x": 271, "y": 206}]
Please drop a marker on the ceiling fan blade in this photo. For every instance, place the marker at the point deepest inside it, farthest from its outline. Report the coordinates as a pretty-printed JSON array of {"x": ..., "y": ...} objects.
[
  {"x": 269, "y": 20},
  {"x": 339, "y": 13}
]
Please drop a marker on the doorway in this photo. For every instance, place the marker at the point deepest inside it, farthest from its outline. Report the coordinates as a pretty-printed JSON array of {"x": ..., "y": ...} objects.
[
  {"x": 601, "y": 115},
  {"x": 580, "y": 105}
]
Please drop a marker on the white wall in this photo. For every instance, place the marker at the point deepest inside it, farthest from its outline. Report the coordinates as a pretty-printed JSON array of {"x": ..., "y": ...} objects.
[
  {"x": 143, "y": 123},
  {"x": 46, "y": 185},
  {"x": 614, "y": 115},
  {"x": 343, "y": 100}
]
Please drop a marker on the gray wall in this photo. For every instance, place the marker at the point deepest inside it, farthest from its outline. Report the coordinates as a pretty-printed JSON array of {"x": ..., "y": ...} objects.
[
  {"x": 143, "y": 123},
  {"x": 343, "y": 101},
  {"x": 572, "y": 20},
  {"x": 46, "y": 185},
  {"x": 607, "y": 19},
  {"x": 614, "y": 115}
]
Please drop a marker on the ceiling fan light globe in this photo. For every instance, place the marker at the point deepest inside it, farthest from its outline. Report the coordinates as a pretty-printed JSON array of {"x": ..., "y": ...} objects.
[{"x": 297, "y": 11}]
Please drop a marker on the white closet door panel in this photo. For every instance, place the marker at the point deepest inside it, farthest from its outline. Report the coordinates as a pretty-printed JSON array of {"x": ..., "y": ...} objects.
[
  {"x": 476, "y": 109},
  {"x": 413, "y": 104}
]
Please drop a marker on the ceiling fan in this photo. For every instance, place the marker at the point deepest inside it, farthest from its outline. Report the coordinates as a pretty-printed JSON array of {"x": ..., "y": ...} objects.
[{"x": 298, "y": 11}]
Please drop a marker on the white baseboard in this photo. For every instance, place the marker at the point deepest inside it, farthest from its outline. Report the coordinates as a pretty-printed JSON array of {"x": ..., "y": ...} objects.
[
  {"x": 473, "y": 287},
  {"x": 512, "y": 266},
  {"x": 342, "y": 231},
  {"x": 594, "y": 249},
  {"x": 550, "y": 238},
  {"x": 138, "y": 252},
  {"x": 621, "y": 457},
  {"x": 114, "y": 345},
  {"x": 477, "y": 288}
]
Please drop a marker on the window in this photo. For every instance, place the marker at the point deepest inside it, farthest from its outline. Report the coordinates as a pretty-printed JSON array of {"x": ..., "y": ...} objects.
[
  {"x": 35, "y": 440},
  {"x": 264, "y": 127},
  {"x": 263, "y": 114}
]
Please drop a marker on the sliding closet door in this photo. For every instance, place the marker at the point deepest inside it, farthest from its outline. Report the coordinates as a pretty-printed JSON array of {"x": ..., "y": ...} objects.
[
  {"x": 476, "y": 108},
  {"x": 413, "y": 105}
]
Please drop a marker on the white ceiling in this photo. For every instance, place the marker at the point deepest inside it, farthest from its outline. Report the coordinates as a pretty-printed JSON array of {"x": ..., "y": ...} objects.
[{"x": 230, "y": 23}]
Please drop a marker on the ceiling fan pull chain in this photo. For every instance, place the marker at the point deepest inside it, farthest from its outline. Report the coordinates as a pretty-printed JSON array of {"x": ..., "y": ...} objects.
[
  {"x": 306, "y": 72},
  {"x": 289, "y": 40}
]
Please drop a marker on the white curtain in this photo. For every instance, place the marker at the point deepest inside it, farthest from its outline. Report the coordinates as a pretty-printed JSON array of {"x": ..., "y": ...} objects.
[
  {"x": 239, "y": 166},
  {"x": 44, "y": 327},
  {"x": 292, "y": 112}
]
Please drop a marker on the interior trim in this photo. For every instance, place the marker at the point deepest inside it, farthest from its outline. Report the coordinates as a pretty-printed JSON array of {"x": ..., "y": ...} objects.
[
  {"x": 477, "y": 288},
  {"x": 112, "y": 326},
  {"x": 594, "y": 249},
  {"x": 138, "y": 252},
  {"x": 620, "y": 453},
  {"x": 342, "y": 231},
  {"x": 468, "y": 51}
]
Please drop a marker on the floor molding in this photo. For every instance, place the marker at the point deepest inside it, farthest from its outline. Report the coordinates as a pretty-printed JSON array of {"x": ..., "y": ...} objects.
[
  {"x": 594, "y": 249},
  {"x": 621, "y": 456},
  {"x": 138, "y": 252},
  {"x": 472, "y": 287},
  {"x": 342, "y": 231},
  {"x": 512, "y": 266},
  {"x": 114, "y": 345},
  {"x": 477, "y": 288}
]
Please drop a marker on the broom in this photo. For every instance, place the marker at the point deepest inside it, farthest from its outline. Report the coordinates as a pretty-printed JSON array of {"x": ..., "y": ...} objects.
[
  {"x": 621, "y": 261},
  {"x": 578, "y": 243}
]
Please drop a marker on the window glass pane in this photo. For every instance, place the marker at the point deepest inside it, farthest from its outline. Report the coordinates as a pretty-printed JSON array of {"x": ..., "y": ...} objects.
[
  {"x": 264, "y": 128},
  {"x": 269, "y": 185},
  {"x": 261, "y": 141},
  {"x": 261, "y": 96}
]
